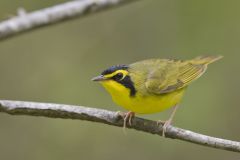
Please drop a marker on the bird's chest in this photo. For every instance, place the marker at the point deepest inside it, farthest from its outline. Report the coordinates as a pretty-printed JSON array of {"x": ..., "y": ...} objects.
[
  {"x": 142, "y": 103},
  {"x": 120, "y": 94}
]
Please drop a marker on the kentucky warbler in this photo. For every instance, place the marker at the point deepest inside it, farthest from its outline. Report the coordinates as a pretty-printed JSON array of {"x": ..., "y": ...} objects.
[{"x": 153, "y": 85}]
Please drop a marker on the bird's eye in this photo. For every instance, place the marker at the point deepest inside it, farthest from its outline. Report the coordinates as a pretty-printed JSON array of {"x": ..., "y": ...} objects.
[{"x": 118, "y": 76}]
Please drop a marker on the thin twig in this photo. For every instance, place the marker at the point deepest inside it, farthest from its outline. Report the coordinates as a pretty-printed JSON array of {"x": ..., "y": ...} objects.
[
  {"x": 24, "y": 21},
  {"x": 112, "y": 118}
]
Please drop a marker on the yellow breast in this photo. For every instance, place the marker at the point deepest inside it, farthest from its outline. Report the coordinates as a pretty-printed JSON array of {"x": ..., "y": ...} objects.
[{"x": 139, "y": 103}]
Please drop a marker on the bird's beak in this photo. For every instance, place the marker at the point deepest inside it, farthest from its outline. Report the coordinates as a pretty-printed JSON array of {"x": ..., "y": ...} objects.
[{"x": 99, "y": 78}]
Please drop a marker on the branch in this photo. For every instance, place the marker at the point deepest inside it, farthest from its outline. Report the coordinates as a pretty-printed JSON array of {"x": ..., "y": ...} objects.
[
  {"x": 112, "y": 118},
  {"x": 24, "y": 22}
]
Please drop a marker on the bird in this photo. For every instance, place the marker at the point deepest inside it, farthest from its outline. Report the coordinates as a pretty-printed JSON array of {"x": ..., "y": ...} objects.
[{"x": 152, "y": 85}]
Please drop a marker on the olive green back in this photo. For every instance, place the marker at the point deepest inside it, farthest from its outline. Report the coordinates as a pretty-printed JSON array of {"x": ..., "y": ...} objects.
[{"x": 160, "y": 76}]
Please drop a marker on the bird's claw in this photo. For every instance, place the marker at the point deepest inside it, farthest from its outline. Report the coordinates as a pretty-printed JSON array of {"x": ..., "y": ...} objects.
[
  {"x": 160, "y": 122},
  {"x": 164, "y": 124},
  {"x": 127, "y": 117}
]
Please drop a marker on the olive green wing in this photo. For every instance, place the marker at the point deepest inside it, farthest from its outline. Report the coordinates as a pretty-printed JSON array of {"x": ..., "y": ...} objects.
[{"x": 173, "y": 76}]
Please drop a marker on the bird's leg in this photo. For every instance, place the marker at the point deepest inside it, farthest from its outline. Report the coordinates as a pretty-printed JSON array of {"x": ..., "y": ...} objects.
[
  {"x": 127, "y": 117},
  {"x": 169, "y": 121}
]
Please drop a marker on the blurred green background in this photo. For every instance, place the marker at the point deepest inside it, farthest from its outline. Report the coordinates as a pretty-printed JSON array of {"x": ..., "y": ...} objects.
[{"x": 55, "y": 64}]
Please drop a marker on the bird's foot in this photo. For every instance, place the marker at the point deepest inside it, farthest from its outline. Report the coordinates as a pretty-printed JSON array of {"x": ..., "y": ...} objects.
[
  {"x": 160, "y": 122},
  {"x": 164, "y": 124},
  {"x": 127, "y": 117}
]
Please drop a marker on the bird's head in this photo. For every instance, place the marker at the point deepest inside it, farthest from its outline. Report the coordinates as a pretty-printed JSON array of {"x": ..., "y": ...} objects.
[{"x": 116, "y": 79}]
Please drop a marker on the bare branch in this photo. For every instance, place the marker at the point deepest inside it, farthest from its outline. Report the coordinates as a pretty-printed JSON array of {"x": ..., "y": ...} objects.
[
  {"x": 28, "y": 21},
  {"x": 112, "y": 118}
]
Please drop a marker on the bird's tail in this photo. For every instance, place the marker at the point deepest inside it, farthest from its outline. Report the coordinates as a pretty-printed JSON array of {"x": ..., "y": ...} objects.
[{"x": 205, "y": 60}]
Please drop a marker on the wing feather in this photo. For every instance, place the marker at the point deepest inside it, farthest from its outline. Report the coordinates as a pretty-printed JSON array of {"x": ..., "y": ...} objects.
[{"x": 174, "y": 76}]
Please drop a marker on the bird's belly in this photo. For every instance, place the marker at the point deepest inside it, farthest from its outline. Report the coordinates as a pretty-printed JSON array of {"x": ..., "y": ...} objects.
[{"x": 149, "y": 104}]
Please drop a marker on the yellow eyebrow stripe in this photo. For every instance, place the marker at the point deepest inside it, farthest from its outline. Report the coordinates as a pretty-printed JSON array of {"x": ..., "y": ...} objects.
[{"x": 124, "y": 72}]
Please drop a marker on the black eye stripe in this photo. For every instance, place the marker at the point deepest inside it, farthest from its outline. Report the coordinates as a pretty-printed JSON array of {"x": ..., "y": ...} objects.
[
  {"x": 118, "y": 76},
  {"x": 128, "y": 83}
]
